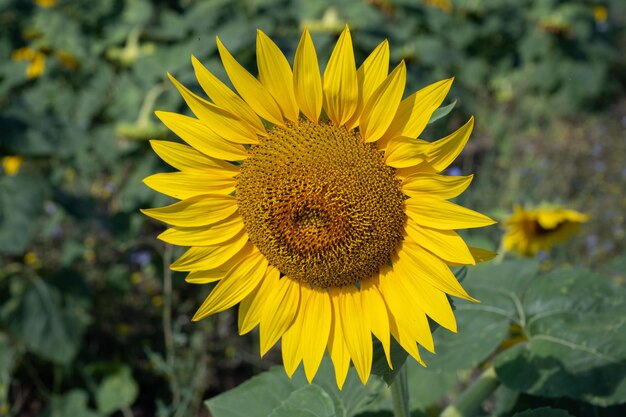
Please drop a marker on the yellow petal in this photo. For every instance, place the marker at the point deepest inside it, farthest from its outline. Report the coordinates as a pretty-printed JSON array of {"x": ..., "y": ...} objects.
[
  {"x": 423, "y": 168},
  {"x": 225, "y": 98},
  {"x": 238, "y": 283},
  {"x": 186, "y": 158},
  {"x": 479, "y": 255},
  {"x": 216, "y": 274},
  {"x": 431, "y": 269},
  {"x": 404, "y": 152},
  {"x": 249, "y": 88},
  {"x": 204, "y": 235},
  {"x": 356, "y": 331},
  {"x": 376, "y": 311},
  {"x": 196, "y": 211},
  {"x": 382, "y": 105},
  {"x": 370, "y": 75},
  {"x": 415, "y": 111},
  {"x": 183, "y": 185},
  {"x": 406, "y": 315},
  {"x": 317, "y": 317},
  {"x": 446, "y": 244},
  {"x": 275, "y": 74},
  {"x": 209, "y": 257},
  {"x": 225, "y": 124},
  {"x": 430, "y": 300},
  {"x": 444, "y": 151},
  {"x": 251, "y": 308},
  {"x": 341, "y": 91},
  {"x": 444, "y": 215},
  {"x": 336, "y": 343},
  {"x": 279, "y": 312},
  {"x": 439, "y": 185},
  {"x": 405, "y": 339},
  {"x": 306, "y": 78},
  {"x": 291, "y": 342},
  {"x": 199, "y": 136}
]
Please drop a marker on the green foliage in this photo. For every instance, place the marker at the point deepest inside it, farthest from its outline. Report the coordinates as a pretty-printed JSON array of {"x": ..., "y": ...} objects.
[
  {"x": 575, "y": 323},
  {"x": 74, "y": 403},
  {"x": 282, "y": 396},
  {"x": 543, "y": 412},
  {"x": 117, "y": 391},
  {"x": 81, "y": 282}
]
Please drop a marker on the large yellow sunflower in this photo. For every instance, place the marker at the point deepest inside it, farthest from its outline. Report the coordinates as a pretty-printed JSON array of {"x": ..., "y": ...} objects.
[
  {"x": 311, "y": 203},
  {"x": 529, "y": 231}
]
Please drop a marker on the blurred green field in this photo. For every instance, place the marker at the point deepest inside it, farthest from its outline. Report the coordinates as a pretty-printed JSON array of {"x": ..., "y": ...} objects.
[{"x": 91, "y": 324}]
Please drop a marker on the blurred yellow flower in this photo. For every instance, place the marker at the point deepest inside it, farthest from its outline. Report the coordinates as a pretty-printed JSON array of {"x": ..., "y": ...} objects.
[
  {"x": 529, "y": 231},
  {"x": 32, "y": 259},
  {"x": 45, "y": 3},
  {"x": 600, "y": 14},
  {"x": 445, "y": 5},
  {"x": 67, "y": 59},
  {"x": 11, "y": 164},
  {"x": 37, "y": 61}
]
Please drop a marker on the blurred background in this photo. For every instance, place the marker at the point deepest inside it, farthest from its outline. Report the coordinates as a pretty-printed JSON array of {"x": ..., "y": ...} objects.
[{"x": 92, "y": 325}]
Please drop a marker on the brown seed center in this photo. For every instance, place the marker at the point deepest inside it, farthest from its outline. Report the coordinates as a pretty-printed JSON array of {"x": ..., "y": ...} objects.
[{"x": 320, "y": 204}]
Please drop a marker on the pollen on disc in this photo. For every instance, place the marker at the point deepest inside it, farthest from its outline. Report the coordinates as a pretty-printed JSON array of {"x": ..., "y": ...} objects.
[{"x": 320, "y": 204}]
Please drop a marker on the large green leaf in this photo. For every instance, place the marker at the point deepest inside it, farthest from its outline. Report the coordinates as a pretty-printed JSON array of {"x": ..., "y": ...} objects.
[
  {"x": 21, "y": 203},
  {"x": 117, "y": 391},
  {"x": 49, "y": 324},
  {"x": 74, "y": 404},
  {"x": 7, "y": 361},
  {"x": 543, "y": 412},
  {"x": 308, "y": 401},
  {"x": 276, "y": 389},
  {"x": 483, "y": 326},
  {"x": 576, "y": 329}
]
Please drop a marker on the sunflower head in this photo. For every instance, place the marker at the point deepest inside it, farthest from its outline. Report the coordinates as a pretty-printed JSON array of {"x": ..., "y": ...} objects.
[
  {"x": 530, "y": 231},
  {"x": 313, "y": 205}
]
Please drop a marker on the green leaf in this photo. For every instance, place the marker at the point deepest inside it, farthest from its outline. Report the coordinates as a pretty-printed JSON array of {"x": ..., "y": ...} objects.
[
  {"x": 428, "y": 386},
  {"x": 50, "y": 326},
  {"x": 74, "y": 404},
  {"x": 274, "y": 387},
  {"x": 543, "y": 412},
  {"x": 7, "y": 361},
  {"x": 442, "y": 112},
  {"x": 117, "y": 391},
  {"x": 482, "y": 326},
  {"x": 308, "y": 401},
  {"x": 21, "y": 203},
  {"x": 380, "y": 366},
  {"x": 576, "y": 329}
]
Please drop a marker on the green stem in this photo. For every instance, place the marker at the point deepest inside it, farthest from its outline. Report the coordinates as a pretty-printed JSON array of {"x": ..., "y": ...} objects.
[
  {"x": 470, "y": 400},
  {"x": 400, "y": 394},
  {"x": 170, "y": 352}
]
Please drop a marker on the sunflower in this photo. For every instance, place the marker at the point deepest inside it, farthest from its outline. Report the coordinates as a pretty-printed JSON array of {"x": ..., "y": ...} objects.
[
  {"x": 311, "y": 203},
  {"x": 529, "y": 231}
]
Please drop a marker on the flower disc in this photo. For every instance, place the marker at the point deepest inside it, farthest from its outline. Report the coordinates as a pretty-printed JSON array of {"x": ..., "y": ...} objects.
[{"x": 321, "y": 204}]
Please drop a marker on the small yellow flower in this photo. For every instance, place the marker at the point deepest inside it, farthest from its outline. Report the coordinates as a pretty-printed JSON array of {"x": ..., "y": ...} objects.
[
  {"x": 157, "y": 301},
  {"x": 37, "y": 61},
  {"x": 529, "y": 231},
  {"x": 600, "y": 14},
  {"x": 334, "y": 210},
  {"x": 136, "y": 278},
  {"x": 11, "y": 164},
  {"x": 445, "y": 5},
  {"x": 32, "y": 259},
  {"x": 46, "y": 3},
  {"x": 67, "y": 59}
]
